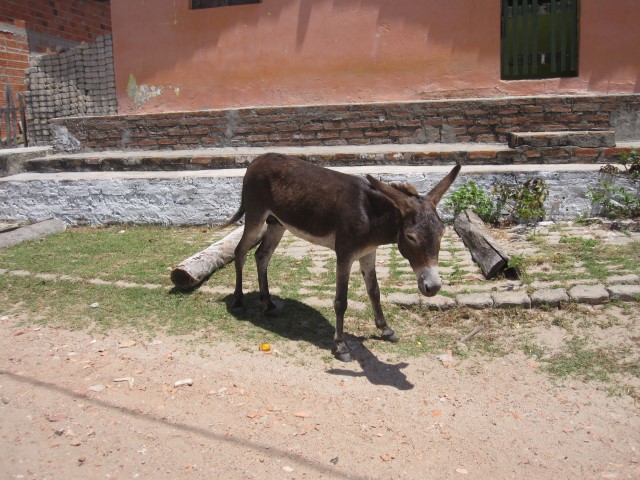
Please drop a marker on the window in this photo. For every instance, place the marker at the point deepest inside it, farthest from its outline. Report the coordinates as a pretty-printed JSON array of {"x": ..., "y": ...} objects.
[
  {"x": 196, "y": 4},
  {"x": 539, "y": 39}
]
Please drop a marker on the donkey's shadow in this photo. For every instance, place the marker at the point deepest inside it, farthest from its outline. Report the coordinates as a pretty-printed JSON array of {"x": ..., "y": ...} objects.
[
  {"x": 300, "y": 322},
  {"x": 375, "y": 370}
]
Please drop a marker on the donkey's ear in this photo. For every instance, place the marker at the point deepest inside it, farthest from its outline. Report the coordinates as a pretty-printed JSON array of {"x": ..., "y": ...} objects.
[
  {"x": 439, "y": 190},
  {"x": 400, "y": 200}
]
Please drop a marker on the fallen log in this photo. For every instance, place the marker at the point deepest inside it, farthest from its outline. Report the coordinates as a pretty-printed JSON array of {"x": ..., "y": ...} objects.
[
  {"x": 485, "y": 251},
  {"x": 196, "y": 268}
]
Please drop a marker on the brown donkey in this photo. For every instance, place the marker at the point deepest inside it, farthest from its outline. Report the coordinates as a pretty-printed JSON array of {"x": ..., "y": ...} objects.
[{"x": 346, "y": 213}]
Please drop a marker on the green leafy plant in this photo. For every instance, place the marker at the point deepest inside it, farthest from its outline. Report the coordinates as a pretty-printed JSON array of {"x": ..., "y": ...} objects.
[
  {"x": 519, "y": 203},
  {"x": 615, "y": 200},
  {"x": 471, "y": 196},
  {"x": 524, "y": 203}
]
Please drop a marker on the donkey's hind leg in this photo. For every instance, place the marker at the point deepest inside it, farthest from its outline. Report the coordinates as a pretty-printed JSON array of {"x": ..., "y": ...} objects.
[
  {"x": 263, "y": 254},
  {"x": 252, "y": 228}
]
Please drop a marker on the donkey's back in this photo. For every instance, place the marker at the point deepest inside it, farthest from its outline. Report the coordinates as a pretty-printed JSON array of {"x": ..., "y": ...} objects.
[{"x": 314, "y": 203}]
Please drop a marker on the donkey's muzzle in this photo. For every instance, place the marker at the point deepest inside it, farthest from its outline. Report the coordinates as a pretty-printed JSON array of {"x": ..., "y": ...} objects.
[{"x": 429, "y": 281}]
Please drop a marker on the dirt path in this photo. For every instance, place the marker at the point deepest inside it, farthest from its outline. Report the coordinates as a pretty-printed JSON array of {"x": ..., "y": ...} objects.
[{"x": 288, "y": 414}]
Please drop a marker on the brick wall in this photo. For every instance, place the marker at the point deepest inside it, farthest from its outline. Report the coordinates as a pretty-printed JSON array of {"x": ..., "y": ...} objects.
[
  {"x": 14, "y": 58},
  {"x": 55, "y": 24},
  {"x": 439, "y": 121},
  {"x": 44, "y": 26},
  {"x": 79, "y": 81}
]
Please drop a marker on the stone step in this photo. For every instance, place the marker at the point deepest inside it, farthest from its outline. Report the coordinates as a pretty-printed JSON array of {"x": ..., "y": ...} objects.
[
  {"x": 12, "y": 160},
  {"x": 331, "y": 156},
  {"x": 584, "y": 139},
  {"x": 225, "y": 158}
]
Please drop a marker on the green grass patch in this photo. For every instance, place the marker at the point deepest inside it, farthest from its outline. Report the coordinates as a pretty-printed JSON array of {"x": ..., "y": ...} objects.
[
  {"x": 134, "y": 254},
  {"x": 598, "y": 260},
  {"x": 580, "y": 359},
  {"x": 142, "y": 255}
]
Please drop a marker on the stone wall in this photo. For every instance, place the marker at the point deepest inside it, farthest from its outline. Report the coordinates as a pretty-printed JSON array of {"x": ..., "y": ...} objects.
[
  {"x": 77, "y": 82},
  {"x": 445, "y": 121},
  {"x": 180, "y": 198}
]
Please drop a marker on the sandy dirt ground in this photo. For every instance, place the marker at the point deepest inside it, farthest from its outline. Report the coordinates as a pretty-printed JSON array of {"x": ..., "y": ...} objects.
[{"x": 78, "y": 407}]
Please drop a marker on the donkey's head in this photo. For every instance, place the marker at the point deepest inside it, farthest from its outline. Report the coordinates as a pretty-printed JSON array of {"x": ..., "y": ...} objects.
[{"x": 420, "y": 230}]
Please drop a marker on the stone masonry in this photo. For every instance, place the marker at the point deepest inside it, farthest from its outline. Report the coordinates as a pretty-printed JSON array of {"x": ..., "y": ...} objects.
[
  {"x": 79, "y": 81},
  {"x": 435, "y": 121},
  {"x": 212, "y": 196},
  {"x": 464, "y": 285},
  {"x": 546, "y": 286}
]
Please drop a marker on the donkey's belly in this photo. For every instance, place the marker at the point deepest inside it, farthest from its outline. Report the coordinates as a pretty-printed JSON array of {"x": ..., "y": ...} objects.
[{"x": 328, "y": 241}]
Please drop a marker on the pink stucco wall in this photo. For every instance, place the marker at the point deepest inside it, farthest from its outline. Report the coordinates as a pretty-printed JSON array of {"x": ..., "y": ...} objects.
[{"x": 292, "y": 52}]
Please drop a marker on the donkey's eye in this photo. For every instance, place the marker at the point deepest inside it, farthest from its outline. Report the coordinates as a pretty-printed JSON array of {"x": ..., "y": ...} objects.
[{"x": 412, "y": 238}]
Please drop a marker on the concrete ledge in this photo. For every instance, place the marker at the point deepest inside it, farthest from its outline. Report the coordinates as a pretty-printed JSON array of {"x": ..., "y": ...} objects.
[
  {"x": 392, "y": 155},
  {"x": 229, "y": 158},
  {"x": 31, "y": 232},
  {"x": 13, "y": 160}
]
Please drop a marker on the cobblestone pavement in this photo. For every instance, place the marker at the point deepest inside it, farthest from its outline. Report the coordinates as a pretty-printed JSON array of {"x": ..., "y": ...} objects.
[{"x": 545, "y": 283}]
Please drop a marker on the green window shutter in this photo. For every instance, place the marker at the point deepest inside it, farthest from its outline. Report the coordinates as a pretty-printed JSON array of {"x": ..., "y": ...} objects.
[{"x": 539, "y": 39}]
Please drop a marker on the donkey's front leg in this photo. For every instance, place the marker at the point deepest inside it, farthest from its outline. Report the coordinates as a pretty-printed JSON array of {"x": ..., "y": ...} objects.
[
  {"x": 343, "y": 269},
  {"x": 368, "y": 269}
]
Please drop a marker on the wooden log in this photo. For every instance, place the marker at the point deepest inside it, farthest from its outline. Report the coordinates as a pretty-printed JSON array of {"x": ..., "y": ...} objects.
[
  {"x": 195, "y": 269},
  {"x": 485, "y": 251}
]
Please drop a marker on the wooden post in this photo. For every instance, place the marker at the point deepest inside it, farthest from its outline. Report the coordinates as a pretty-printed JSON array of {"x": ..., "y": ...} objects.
[
  {"x": 7, "y": 115},
  {"x": 22, "y": 107},
  {"x": 485, "y": 251},
  {"x": 14, "y": 118}
]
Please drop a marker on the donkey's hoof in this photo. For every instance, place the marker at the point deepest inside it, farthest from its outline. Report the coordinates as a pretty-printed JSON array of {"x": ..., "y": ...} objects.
[
  {"x": 343, "y": 357},
  {"x": 389, "y": 336}
]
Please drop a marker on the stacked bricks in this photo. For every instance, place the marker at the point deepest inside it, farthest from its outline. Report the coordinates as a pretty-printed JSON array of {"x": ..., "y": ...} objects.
[
  {"x": 79, "y": 81},
  {"x": 437, "y": 121}
]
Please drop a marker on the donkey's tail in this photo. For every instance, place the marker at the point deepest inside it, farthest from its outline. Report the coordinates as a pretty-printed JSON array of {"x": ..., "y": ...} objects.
[{"x": 236, "y": 216}]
